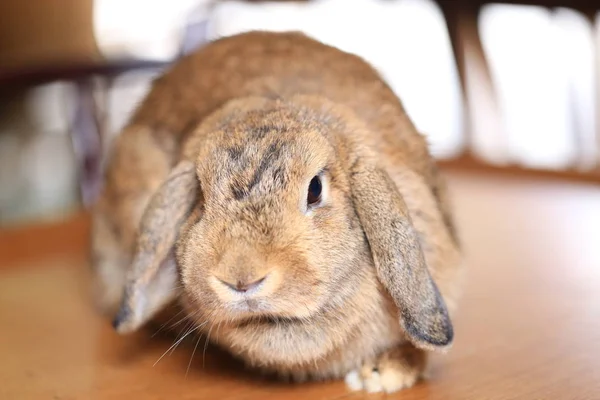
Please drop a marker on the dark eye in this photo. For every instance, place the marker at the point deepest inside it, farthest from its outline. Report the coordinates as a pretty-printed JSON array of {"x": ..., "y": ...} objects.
[{"x": 314, "y": 191}]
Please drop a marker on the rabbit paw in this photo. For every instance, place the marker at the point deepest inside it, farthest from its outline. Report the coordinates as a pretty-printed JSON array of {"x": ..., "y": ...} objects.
[{"x": 394, "y": 370}]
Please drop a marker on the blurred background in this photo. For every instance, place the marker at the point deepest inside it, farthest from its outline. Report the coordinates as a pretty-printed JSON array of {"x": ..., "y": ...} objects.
[
  {"x": 507, "y": 93},
  {"x": 496, "y": 86}
]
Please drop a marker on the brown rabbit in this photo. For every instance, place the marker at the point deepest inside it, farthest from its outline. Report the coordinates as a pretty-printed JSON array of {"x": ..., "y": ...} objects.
[{"x": 274, "y": 187}]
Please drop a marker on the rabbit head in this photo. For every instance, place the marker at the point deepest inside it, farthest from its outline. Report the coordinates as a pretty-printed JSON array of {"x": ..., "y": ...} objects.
[{"x": 273, "y": 213}]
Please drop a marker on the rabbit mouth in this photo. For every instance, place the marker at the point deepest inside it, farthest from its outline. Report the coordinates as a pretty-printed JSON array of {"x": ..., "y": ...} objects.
[{"x": 268, "y": 320}]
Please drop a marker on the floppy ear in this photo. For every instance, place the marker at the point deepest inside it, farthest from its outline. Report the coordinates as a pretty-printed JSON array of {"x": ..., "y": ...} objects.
[
  {"x": 398, "y": 257},
  {"x": 152, "y": 278}
]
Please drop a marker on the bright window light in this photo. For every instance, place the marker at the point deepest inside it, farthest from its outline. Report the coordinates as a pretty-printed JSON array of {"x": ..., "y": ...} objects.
[
  {"x": 144, "y": 29},
  {"x": 542, "y": 68}
]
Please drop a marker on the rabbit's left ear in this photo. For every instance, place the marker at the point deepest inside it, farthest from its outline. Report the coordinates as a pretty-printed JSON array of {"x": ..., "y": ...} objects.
[
  {"x": 152, "y": 278},
  {"x": 398, "y": 257}
]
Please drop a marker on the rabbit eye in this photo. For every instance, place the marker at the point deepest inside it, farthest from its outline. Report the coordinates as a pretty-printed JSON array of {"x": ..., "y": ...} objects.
[{"x": 314, "y": 191}]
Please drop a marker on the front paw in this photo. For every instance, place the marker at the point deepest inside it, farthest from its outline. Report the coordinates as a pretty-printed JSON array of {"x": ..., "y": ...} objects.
[{"x": 396, "y": 369}]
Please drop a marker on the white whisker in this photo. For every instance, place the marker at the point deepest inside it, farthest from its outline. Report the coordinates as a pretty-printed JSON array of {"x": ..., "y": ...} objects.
[
  {"x": 170, "y": 319},
  {"x": 206, "y": 346},
  {"x": 175, "y": 344},
  {"x": 192, "y": 357}
]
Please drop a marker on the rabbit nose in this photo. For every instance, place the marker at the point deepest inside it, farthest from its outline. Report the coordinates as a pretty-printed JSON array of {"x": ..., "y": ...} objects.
[{"x": 243, "y": 286}]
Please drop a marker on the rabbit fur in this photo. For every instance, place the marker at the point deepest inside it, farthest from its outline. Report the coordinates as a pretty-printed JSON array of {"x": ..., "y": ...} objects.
[{"x": 206, "y": 188}]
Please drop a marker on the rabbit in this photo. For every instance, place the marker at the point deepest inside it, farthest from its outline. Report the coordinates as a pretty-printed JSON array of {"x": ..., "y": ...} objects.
[{"x": 274, "y": 188}]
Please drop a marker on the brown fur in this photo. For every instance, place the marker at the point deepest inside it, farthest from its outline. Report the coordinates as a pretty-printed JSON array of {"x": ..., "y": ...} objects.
[{"x": 362, "y": 283}]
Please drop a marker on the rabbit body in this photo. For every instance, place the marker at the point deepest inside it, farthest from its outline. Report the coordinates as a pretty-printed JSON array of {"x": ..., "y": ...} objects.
[{"x": 205, "y": 189}]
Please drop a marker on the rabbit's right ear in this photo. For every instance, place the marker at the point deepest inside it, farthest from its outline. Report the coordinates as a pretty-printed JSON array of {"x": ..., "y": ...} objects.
[{"x": 152, "y": 279}]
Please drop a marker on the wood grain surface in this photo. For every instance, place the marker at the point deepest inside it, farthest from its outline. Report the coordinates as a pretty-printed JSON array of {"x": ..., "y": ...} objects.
[{"x": 528, "y": 328}]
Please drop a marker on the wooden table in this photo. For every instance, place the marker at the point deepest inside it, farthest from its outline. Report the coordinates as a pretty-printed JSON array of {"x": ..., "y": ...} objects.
[{"x": 529, "y": 326}]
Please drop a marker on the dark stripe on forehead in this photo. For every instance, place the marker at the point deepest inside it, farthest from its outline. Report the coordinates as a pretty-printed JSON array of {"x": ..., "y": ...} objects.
[
  {"x": 279, "y": 176},
  {"x": 238, "y": 192},
  {"x": 235, "y": 153},
  {"x": 268, "y": 158},
  {"x": 272, "y": 153},
  {"x": 261, "y": 131}
]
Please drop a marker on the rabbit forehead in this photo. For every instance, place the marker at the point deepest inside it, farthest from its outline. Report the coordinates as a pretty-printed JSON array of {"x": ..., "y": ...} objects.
[{"x": 262, "y": 160}]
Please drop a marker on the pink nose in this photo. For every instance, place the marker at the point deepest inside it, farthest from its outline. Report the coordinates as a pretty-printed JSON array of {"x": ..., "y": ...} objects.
[{"x": 243, "y": 287}]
